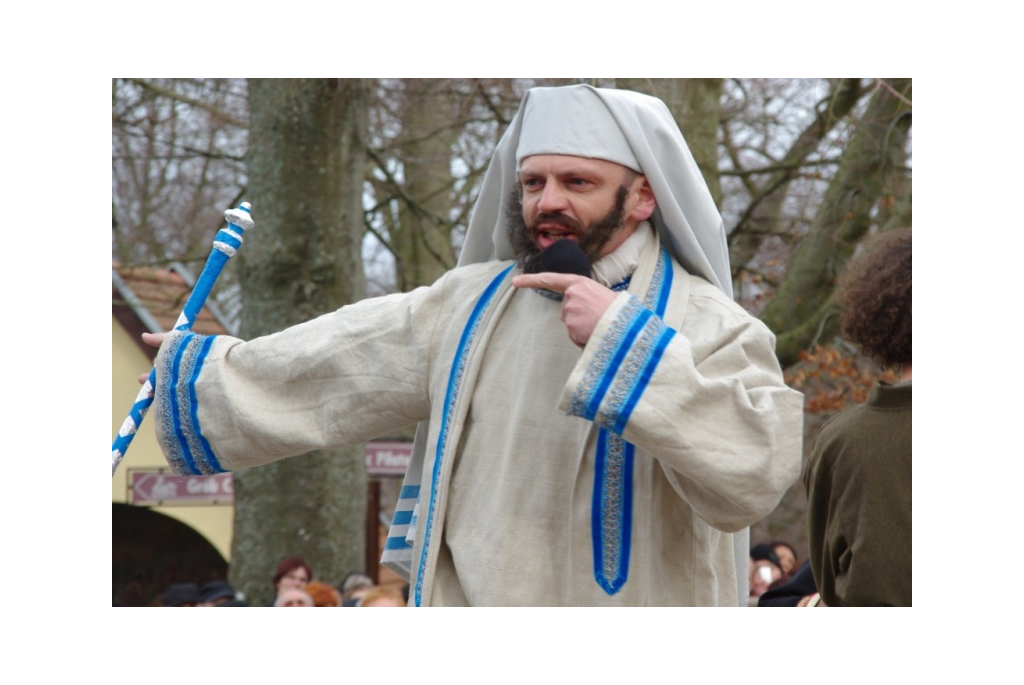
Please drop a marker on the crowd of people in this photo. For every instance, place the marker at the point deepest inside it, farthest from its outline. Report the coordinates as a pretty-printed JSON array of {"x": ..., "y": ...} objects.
[
  {"x": 294, "y": 586},
  {"x": 778, "y": 577}
]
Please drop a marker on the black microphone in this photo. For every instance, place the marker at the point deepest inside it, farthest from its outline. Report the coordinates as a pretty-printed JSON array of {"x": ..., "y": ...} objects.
[{"x": 564, "y": 257}]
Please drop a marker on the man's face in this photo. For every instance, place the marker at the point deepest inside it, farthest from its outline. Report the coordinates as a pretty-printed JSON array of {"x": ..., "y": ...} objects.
[
  {"x": 294, "y": 597},
  {"x": 596, "y": 203}
]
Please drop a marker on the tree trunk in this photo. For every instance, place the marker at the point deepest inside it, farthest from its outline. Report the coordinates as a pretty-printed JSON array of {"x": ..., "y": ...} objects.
[
  {"x": 431, "y": 125},
  {"x": 306, "y": 163},
  {"x": 871, "y": 172},
  {"x": 695, "y": 104},
  {"x": 761, "y": 217}
]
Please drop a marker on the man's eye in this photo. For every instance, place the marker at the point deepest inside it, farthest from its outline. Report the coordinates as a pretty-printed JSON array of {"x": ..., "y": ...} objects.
[
  {"x": 531, "y": 184},
  {"x": 577, "y": 182}
]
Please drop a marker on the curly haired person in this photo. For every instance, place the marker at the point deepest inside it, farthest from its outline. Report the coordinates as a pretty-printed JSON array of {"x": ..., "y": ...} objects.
[{"x": 859, "y": 475}]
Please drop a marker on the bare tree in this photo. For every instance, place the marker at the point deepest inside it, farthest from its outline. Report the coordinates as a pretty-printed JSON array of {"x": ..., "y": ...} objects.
[
  {"x": 306, "y": 166},
  {"x": 178, "y": 150},
  {"x": 773, "y": 185},
  {"x": 872, "y": 176},
  {"x": 430, "y": 141},
  {"x": 695, "y": 104},
  {"x": 414, "y": 179}
]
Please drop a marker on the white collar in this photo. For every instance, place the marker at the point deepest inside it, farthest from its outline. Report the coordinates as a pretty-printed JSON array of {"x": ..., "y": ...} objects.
[{"x": 616, "y": 267}]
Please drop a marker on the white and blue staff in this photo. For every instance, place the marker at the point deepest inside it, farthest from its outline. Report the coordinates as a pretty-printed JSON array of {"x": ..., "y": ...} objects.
[{"x": 225, "y": 244}]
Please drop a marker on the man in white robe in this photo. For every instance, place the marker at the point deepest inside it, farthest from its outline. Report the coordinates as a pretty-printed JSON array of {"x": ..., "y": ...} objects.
[{"x": 598, "y": 441}]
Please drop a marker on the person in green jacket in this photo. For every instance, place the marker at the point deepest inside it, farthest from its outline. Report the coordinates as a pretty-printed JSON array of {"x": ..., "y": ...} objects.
[{"x": 858, "y": 477}]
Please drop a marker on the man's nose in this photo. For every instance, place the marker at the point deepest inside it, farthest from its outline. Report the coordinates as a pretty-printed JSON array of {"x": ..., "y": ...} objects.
[{"x": 552, "y": 199}]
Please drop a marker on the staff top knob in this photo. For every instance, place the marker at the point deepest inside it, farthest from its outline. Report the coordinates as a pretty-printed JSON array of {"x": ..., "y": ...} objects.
[{"x": 240, "y": 216}]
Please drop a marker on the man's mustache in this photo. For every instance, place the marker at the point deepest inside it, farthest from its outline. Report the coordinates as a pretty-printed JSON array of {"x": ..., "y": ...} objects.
[{"x": 556, "y": 219}]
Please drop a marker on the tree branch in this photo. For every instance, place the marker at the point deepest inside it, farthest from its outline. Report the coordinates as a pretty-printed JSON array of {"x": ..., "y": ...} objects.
[{"x": 192, "y": 102}]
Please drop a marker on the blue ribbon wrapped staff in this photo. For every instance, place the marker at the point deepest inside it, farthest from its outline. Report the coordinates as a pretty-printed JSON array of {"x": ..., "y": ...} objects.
[{"x": 225, "y": 245}]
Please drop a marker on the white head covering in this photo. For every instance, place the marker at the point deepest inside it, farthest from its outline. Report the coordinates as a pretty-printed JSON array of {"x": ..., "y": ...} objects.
[{"x": 631, "y": 129}]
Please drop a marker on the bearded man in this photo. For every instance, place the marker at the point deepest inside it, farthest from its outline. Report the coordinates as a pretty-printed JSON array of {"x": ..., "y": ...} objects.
[{"x": 600, "y": 440}]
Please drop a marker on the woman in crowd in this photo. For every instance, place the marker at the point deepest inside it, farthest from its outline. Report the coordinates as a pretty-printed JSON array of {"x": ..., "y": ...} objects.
[{"x": 292, "y": 573}]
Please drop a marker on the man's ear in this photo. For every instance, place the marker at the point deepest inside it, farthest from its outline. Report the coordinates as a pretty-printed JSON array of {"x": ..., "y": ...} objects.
[{"x": 645, "y": 202}]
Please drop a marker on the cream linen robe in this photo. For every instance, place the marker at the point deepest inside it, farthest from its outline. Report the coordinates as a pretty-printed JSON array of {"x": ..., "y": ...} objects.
[{"x": 520, "y": 421}]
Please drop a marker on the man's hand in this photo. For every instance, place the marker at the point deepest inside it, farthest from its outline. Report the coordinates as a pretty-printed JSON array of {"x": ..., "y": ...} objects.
[
  {"x": 584, "y": 300},
  {"x": 154, "y": 340}
]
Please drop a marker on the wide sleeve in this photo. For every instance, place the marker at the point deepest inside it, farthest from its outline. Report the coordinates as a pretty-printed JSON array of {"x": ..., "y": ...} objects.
[
  {"x": 223, "y": 404},
  {"x": 708, "y": 402}
]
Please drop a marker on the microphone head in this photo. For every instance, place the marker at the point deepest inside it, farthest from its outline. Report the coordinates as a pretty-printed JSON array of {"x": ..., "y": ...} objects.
[{"x": 565, "y": 257}]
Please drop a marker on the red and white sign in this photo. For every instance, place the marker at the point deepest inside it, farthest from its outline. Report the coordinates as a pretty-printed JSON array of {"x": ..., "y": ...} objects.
[
  {"x": 159, "y": 487},
  {"x": 387, "y": 458}
]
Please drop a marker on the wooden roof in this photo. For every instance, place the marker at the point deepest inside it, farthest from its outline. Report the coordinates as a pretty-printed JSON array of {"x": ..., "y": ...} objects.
[{"x": 148, "y": 299}]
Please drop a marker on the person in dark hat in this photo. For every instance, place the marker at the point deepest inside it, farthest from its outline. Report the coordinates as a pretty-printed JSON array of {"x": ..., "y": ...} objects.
[
  {"x": 181, "y": 595},
  {"x": 765, "y": 552},
  {"x": 236, "y": 602},
  {"x": 216, "y": 593}
]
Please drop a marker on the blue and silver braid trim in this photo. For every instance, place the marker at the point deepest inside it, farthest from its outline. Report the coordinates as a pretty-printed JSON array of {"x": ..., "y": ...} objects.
[
  {"x": 187, "y": 451},
  {"x": 455, "y": 379},
  {"x": 607, "y": 394}
]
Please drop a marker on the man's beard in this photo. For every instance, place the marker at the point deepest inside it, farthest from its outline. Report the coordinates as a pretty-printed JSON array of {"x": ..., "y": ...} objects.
[{"x": 592, "y": 239}]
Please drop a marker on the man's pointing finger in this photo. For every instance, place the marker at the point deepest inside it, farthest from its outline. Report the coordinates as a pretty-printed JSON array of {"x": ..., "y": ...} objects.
[{"x": 548, "y": 280}]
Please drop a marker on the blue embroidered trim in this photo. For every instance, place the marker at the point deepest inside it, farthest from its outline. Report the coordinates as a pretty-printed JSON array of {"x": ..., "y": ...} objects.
[
  {"x": 644, "y": 355},
  {"x": 650, "y": 347},
  {"x": 404, "y": 518},
  {"x": 664, "y": 338},
  {"x": 636, "y": 318},
  {"x": 397, "y": 543},
  {"x": 611, "y": 511},
  {"x": 639, "y": 339},
  {"x": 188, "y": 451},
  {"x": 175, "y": 410},
  {"x": 454, "y": 386},
  {"x": 206, "y": 460},
  {"x": 168, "y": 425},
  {"x": 629, "y": 334},
  {"x": 657, "y": 300},
  {"x": 601, "y": 371},
  {"x": 188, "y": 363}
]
